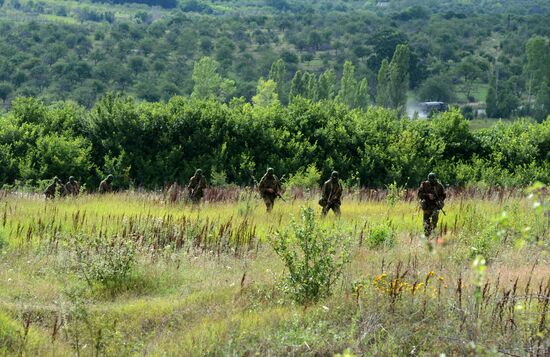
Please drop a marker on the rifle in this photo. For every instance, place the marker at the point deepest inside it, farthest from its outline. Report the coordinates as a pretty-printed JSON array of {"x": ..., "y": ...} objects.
[
  {"x": 441, "y": 203},
  {"x": 280, "y": 196}
]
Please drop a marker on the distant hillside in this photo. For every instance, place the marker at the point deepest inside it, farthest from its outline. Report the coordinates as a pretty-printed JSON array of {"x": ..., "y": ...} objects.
[{"x": 80, "y": 50}]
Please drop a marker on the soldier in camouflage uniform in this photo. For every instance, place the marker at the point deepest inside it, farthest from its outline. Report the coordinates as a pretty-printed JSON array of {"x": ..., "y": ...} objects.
[
  {"x": 332, "y": 195},
  {"x": 270, "y": 188},
  {"x": 432, "y": 199},
  {"x": 72, "y": 187},
  {"x": 196, "y": 186},
  {"x": 55, "y": 189},
  {"x": 106, "y": 186}
]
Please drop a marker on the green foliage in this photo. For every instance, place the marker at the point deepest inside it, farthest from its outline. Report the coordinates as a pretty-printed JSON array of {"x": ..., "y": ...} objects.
[
  {"x": 395, "y": 193},
  {"x": 313, "y": 257},
  {"x": 83, "y": 50},
  {"x": 150, "y": 144},
  {"x": 348, "y": 86},
  {"x": 267, "y": 94},
  {"x": 310, "y": 178},
  {"x": 327, "y": 85},
  {"x": 278, "y": 74},
  {"x": 107, "y": 262},
  {"x": 208, "y": 83},
  {"x": 218, "y": 178},
  {"x": 398, "y": 77},
  {"x": 382, "y": 90},
  {"x": 382, "y": 235},
  {"x": 438, "y": 89}
]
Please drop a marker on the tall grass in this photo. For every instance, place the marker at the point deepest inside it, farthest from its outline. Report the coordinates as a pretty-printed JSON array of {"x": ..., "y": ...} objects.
[{"x": 137, "y": 273}]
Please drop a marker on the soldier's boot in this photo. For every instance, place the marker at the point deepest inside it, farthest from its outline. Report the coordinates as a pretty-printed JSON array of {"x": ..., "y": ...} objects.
[
  {"x": 269, "y": 206},
  {"x": 336, "y": 209},
  {"x": 324, "y": 211}
]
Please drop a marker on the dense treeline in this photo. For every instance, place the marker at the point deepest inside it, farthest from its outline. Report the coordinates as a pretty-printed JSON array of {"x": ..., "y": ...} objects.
[
  {"x": 457, "y": 50},
  {"x": 151, "y": 144},
  {"x": 169, "y": 4}
]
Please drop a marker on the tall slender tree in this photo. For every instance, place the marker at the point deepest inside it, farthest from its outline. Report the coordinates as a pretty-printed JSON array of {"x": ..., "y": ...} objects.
[
  {"x": 266, "y": 94},
  {"x": 363, "y": 97},
  {"x": 348, "y": 85},
  {"x": 399, "y": 77},
  {"x": 382, "y": 87},
  {"x": 326, "y": 88},
  {"x": 278, "y": 74},
  {"x": 296, "y": 86}
]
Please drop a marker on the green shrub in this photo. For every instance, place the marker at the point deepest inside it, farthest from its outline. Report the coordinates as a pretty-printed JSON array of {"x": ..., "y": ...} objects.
[
  {"x": 107, "y": 262},
  {"x": 381, "y": 235},
  {"x": 310, "y": 178},
  {"x": 218, "y": 178},
  {"x": 395, "y": 193},
  {"x": 313, "y": 257}
]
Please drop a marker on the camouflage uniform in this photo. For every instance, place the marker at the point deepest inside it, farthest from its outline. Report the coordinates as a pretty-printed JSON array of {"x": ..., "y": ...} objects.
[
  {"x": 72, "y": 187},
  {"x": 432, "y": 199},
  {"x": 270, "y": 188},
  {"x": 332, "y": 195},
  {"x": 106, "y": 185},
  {"x": 56, "y": 188},
  {"x": 196, "y": 186}
]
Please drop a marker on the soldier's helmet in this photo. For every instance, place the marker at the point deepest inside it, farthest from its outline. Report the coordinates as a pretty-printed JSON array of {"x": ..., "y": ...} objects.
[
  {"x": 432, "y": 177},
  {"x": 109, "y": 178},
  {"x": 71, "y": 178},
  {"x": 56, "y": 179},
  {"x": 270, "y": 171},
  {"x": 334, "y": 174},
  {"x": 198, "y": 172}
]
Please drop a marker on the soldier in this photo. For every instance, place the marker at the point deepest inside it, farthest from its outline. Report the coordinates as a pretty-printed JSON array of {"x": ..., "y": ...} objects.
[
  {"x": 432, "y": 199},
  {"x": 270, "y": 188},
  {"x": 196, "y": 186},
  {"x": 54, "y": 189},
  {"x": 106, "y": 185},
  {"x": 72, "y": 187},
  {"x": 332, "y": 195}
]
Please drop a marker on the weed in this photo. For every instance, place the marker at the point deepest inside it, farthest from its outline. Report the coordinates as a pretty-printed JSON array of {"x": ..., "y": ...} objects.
[
  {"x": 381, "y": 235},
  {"x": 108, "y": 262},
  {"x": 313, "y": 257}
]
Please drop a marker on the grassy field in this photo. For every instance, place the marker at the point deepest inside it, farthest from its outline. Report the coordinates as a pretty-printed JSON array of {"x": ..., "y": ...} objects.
[{"x": 129, "y": 274}]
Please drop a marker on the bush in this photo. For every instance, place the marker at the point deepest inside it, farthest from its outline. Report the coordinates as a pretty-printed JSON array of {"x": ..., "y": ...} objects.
[
  {"x": 381, "y": 235},
  {"x": 107, "y": 262},
  {"x": 313, "y": 257},
  {"x": 310, "y": 178},
  {"x": 395, "y": 193}
]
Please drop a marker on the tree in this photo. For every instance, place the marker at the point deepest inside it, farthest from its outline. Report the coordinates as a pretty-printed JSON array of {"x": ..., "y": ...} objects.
[
  {"x": 137, "y": 64},
  {"x": 266, "y": 94},
  {"x": 5, "y": 90},
  {"x": 279, "y": 75},
  {"x": 208, "y": 83},
  {"x": 326, "y": 88},
  {"x": 363, "y": 97},
  {"x": 538, "y": 71},
  {"x": 310, "y": 84},
  {"x": 469, "y": 72},
  {"x": 296, "y": 85},
  {"x": 348, "y": 85},
  {"x": 382, "y": 88},
  {"x": 438, "y": 89},
  {"x": 491, "y": 101},
  {"x": 399, "y": 77},
  {"x": 500, "y": 102}
]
